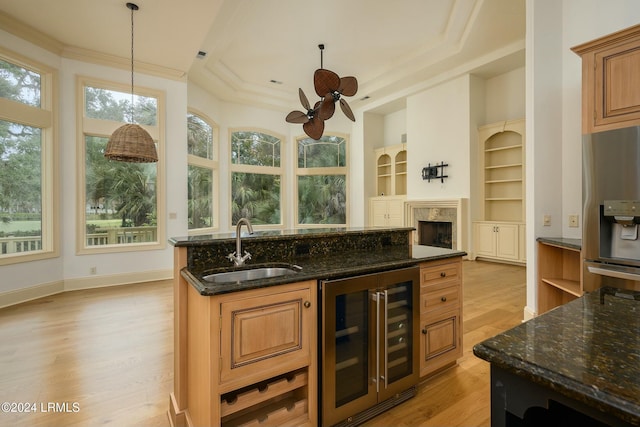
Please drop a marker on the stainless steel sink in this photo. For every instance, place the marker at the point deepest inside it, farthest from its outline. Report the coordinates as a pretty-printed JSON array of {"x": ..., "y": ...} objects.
[{"x": 251, "y": 274}]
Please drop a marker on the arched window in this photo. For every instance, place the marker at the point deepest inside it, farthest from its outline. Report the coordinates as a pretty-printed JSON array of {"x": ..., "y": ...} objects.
[
  {"x": 256, "y": 177},
  {"x": 321, "y": 181},
  {"x": 202, "y": 149}
]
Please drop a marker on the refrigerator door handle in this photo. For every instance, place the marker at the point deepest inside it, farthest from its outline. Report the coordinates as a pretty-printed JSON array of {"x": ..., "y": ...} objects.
[{"x": 628, "y": 273}]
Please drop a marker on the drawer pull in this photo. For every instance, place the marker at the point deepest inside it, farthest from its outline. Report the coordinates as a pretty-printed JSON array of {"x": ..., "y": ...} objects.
[
  {"x": 307, "y": 304},
  {"x": 443, "y": 274},
  {"x": 443, "y": 299}
]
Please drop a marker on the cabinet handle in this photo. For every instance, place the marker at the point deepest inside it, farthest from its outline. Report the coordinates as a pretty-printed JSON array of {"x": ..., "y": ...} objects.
[
  {"x": 307, "y": 304},
  {"x": 424, "y": 331},
  {"x": 443, "y": 274},
  {"x": 443, "y": 299}
]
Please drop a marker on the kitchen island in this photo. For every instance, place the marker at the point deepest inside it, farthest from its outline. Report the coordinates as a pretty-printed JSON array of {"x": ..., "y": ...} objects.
[
  {"x": 246, "y": 352},
  {"x": 578, "y": 364}
]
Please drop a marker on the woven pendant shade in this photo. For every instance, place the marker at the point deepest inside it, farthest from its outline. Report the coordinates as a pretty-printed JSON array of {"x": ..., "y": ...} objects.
[{"x": 131, "y": 143}]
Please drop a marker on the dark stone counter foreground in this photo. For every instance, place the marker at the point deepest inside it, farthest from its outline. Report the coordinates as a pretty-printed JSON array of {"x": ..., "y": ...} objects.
[{"x": 587, "y": 350}]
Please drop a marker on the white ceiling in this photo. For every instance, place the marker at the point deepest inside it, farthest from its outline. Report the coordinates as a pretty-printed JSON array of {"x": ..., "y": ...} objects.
[{"x": 389, "y": 46}]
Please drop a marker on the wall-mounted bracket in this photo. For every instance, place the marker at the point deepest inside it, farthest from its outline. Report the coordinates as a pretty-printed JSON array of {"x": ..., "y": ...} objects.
[{"x": 435, "y": 172}]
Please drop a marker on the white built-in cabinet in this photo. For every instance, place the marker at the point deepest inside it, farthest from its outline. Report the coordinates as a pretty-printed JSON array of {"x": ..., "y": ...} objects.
[
  {"x": 499, "y": 231},
  {"x": 387, "y": 207}
]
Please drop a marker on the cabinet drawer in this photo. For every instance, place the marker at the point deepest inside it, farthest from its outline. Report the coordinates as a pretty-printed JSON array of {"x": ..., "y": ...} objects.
[
  {"x": 438, "y": 298},
  {"x": 440, "y": 273}
]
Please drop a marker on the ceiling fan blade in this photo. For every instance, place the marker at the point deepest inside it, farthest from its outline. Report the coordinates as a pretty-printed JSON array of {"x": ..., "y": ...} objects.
[
  {"x": 314, "y": 128},
  {"x": 327, "y": 107},
  {"x": 347, "y": 110},
  {"x": 303, "y": 99},
  {"x": 325, "y": 81},
  {"x": 348, "y": 86},
  {"x": 297, "y": 117}
]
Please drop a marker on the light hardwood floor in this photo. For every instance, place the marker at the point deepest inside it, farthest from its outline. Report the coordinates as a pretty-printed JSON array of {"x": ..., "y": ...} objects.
[{"x": 109, "y": 351}]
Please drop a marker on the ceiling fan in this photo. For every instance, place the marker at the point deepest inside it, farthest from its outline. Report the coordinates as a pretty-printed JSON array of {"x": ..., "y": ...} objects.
[{"x": 330, "y": 88}]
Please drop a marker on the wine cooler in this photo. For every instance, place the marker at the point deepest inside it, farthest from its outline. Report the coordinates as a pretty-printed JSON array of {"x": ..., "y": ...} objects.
[{"x": 369, "y": 344}]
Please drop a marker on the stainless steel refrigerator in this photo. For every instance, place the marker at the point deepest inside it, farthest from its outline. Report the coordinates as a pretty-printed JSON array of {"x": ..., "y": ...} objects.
[{"x": 611, "y": 209}]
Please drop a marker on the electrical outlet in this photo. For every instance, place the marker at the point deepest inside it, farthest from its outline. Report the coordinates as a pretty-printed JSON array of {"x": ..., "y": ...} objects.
[
  {"x": 93, "y": 270},
  {"x": 573, "y": 220},
  {"x": 546, "y": 220}
]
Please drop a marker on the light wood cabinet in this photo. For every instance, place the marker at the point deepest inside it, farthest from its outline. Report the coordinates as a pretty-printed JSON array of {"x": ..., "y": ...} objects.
[
  {"x": 387, "y": 211},
  {"x": 440, "y": 315},
  {"x": 559, "y": 274},
  {"x": 391, "y": 170},
  {"x": 499, "y": 240},
  {"x": 611, "y": 81},
  {"x": 251, "y": 357}
]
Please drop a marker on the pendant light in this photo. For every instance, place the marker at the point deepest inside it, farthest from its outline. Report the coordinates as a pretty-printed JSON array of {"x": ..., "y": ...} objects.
[{"x": 130, "y": 142}]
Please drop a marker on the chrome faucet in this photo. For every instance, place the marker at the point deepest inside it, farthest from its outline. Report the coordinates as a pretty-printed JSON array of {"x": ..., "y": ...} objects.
[{"x": 237, "y": 257}]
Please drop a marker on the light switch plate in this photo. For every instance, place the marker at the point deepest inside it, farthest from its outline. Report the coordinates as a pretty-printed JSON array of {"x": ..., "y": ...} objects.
[{"x": 546, "y": 220}]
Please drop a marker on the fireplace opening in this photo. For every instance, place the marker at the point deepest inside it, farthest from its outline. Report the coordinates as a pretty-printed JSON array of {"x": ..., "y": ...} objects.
[{"x": 435, "y": 233}]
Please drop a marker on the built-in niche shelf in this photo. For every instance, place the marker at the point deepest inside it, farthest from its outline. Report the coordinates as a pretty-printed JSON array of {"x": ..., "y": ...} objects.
[{"x": 499, "y": 229}]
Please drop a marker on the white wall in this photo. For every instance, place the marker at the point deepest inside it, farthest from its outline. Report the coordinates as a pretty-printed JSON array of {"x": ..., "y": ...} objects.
[
  {"x": 438, "y": 131},
  {"x": 504, "y": 97},
  {"x": 395, "y": 125}
]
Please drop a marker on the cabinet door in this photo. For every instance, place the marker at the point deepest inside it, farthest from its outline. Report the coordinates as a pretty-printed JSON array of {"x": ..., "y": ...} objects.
[
  {"x": 507, "y": 241},
  {"x": 395, "y": 213},
  {"x": 379, "y": 213},
  {"x": 440, "y": 342},
  {"x": 485, "y": 239},
  {"x": 265, "y": 332}
]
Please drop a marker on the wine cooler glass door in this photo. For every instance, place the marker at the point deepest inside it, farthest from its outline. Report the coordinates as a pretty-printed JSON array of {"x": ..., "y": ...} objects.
[
  {"x": 349, "y": 362},
  {"x": 397, "y": 341}
]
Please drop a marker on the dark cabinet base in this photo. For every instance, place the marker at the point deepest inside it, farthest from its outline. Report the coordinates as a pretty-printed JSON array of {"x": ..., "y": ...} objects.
[{"x": 517, "y": 402}]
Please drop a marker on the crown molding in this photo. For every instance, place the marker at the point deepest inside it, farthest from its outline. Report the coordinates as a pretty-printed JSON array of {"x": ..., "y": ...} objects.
[
  {"x": 40, "y": 39},
  {"x": 94, "y": 57},
  {"x": 30, "y": 34}
]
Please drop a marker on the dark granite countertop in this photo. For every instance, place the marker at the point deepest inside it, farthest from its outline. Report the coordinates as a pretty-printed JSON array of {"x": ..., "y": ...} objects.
[
  {"x": 267, "y": 235},
  {"x": 562, "y": 242},
  {"x": 325, "y": 267},
  {"x": 586, "y": 350}
]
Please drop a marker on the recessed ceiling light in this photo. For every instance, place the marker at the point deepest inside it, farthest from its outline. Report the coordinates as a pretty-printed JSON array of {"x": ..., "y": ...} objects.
[{"x": 276, "y": 82}]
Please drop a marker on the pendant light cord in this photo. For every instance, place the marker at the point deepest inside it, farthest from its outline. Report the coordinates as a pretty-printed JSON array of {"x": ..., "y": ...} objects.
[{"x": 132, "y": 98}]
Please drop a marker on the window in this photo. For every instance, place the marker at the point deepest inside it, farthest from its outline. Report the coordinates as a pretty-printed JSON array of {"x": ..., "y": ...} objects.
[
  {"x": 120, "y": 206},
  {"x": 322, "y": 181},
  {"x": 27, "y": 147},
  {"x": 256, "y": 177},
  {"x": 202, "y": 172}
]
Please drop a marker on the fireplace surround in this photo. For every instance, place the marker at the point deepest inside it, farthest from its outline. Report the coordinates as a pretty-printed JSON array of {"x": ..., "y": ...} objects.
[{"x": 452, "y": 211}]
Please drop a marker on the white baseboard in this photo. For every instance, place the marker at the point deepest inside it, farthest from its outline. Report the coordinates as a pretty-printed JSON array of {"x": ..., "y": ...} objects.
[
  {"x": 18, "y": 296},
  {"x": 90, "y": 282},
  {"x": 529, "y": 313}
]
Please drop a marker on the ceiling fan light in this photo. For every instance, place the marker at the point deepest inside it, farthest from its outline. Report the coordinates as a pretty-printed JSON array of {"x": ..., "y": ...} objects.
[{"x": 131, "y": 143}]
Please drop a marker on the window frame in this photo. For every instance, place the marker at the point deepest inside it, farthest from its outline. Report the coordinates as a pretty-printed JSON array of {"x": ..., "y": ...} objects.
[
  {"x": 266, "y": 170},
  {"x": 104, "y": 128},
  {"x": 214, "y": 166},
  {"x": 335, "y": 170},
  {"x": 45, "y": 118}
]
